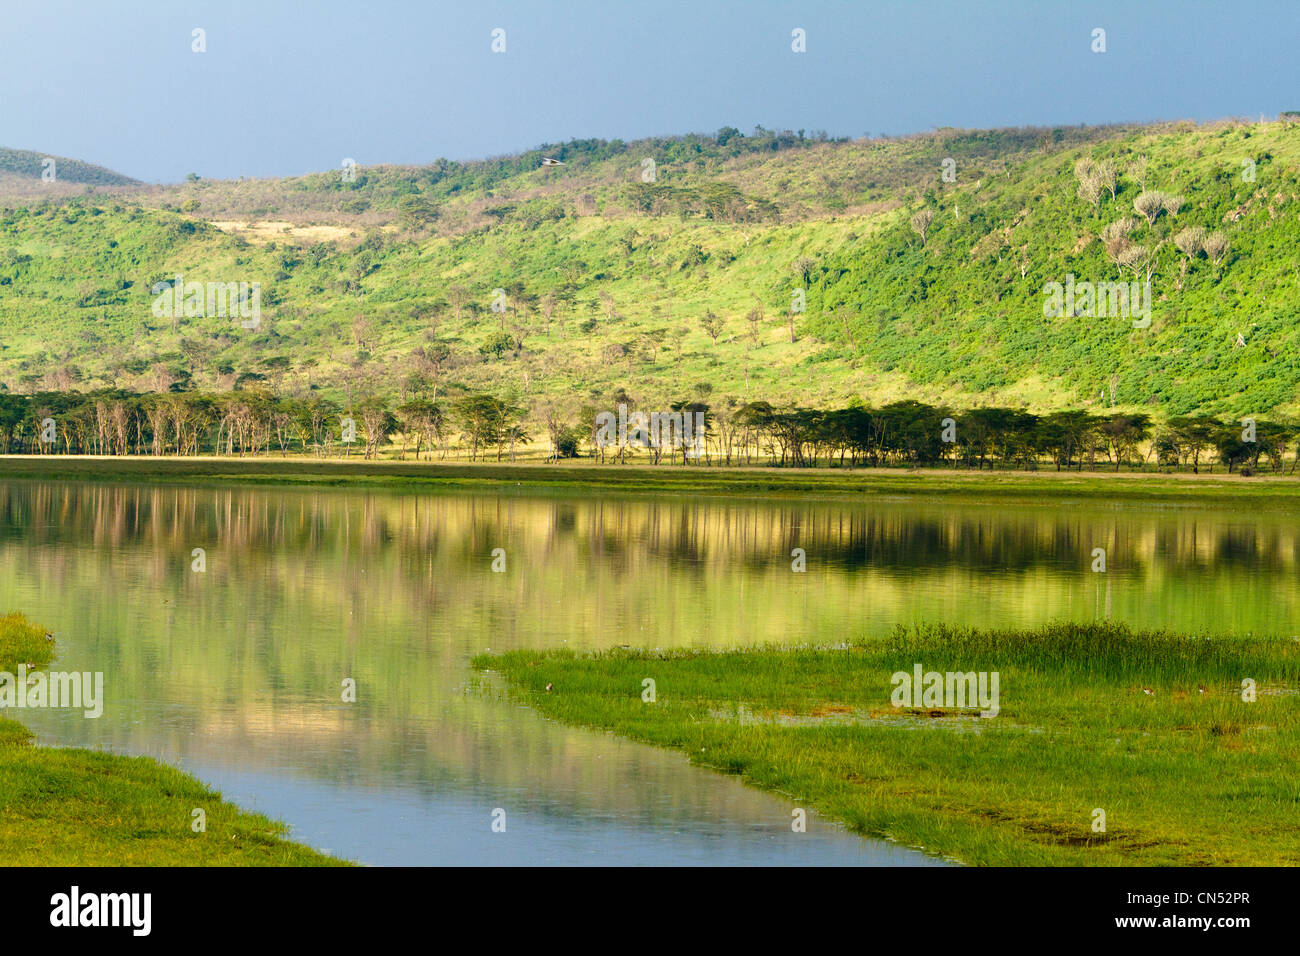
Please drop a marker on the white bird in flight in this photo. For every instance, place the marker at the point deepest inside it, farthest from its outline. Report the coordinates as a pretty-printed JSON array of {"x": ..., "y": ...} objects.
[{"x": 547, "y": 161}]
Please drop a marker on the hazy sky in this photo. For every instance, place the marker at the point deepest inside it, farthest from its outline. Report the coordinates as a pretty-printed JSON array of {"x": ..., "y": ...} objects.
[{"x": 291, "y": 87}]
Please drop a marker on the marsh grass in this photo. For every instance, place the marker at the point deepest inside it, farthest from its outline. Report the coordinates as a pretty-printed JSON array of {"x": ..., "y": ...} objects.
[
  {"x": 85, "y": 808},
  {"x": 1148, "y": 726}
]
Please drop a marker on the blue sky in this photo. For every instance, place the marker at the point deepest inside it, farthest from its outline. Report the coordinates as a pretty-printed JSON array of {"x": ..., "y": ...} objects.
[{"x": 290, "y": 87}]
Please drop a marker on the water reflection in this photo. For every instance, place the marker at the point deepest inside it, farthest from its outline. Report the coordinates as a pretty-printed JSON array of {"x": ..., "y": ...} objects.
[{"x": 235, "y": 672}]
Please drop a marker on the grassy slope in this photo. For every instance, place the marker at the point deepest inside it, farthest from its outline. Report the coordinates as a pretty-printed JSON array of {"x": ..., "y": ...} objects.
[
  {"x": 1185, "y": 777},
  {"x": 958, "y": 312},
  {"x": 84, "y": 808},
  {"x": 953, "y": 321}
]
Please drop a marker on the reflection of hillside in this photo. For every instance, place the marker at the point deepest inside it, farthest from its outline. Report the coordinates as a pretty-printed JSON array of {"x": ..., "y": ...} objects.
[
  {"x": 432, "y": 531},
  {"x": 305, "y": 588},
  {"x": 503, "y": 748}
]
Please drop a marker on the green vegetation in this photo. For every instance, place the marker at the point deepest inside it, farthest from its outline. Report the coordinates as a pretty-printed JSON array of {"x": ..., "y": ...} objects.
[
  {"x": 901, "y": 433},
  {"x": 27, "y": 164},
  {"x": 771, "y": 267},
  {"x": 1149, "y": 727},
  {"x": 640, "y": 480},
  {"x": 65, "y": 807}
]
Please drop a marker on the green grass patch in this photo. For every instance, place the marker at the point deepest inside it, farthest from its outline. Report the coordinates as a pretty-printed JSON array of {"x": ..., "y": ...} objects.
[
  {"x": 1008, "y": 486},
  {"x": 1149, "y": 727},
  {"x": 85, "y": 808}
]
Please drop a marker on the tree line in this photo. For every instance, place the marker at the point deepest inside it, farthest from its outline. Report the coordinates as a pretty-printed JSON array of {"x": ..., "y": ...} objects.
[
  {"x": 253, "y": 422},
  {"x": 914, "y": 433},
  {"x": 477, "y": 425}
]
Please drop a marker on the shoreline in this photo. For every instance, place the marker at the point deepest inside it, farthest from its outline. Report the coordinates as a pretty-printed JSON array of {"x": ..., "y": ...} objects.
[
  {"x": 69, "y": 806},
  {"x": 704, "y": 481},
  {"x": 1106, "y": 746}
]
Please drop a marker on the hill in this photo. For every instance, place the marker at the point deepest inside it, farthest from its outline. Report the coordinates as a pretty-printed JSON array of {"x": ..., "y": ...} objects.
[
  {"x": 557, "y": 286},
  {"x": 24, "y": 164}
]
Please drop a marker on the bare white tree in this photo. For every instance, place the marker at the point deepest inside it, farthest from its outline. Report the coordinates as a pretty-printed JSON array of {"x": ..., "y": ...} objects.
[
  {"x": 1107, "y": 173},
  {"x": 1149, "y": 205},
  {"x": 921, "y": 223},
  {"x": 1137, "y": 171},
  {"x": 1191, "y": 241},
  {"x": 1216, "y": 246}
]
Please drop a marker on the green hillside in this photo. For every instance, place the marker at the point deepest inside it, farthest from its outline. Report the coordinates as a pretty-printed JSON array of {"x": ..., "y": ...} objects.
[
  {"x": 383, "y": 283},
  {"x": 27, "y": 164}
]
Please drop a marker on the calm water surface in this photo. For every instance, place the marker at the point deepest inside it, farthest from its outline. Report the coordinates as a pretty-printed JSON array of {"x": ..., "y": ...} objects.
[{"x": 235, "y": 673}]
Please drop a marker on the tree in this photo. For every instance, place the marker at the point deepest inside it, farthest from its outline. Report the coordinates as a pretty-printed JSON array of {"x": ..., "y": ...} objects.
[
  {"x": 361, "y": 333},
  {"x": 1116, "y": 241},
  {"x": 921, "y": 223},
  {"x": 1229, "y": 446},
  {"x": 377, "y": 421},
  {"x": 416, "y": 212},
  {"x": 1216, "y": 246},
  {"x": 607, "y": 304},
  {"x": 1273, "y": 439},
  {"x": 1149, "y": 206},
  {"x": 1120, "y": 228},
  {"x": 481, "y": 419},
  {"x": 496, "y": 344},
  {"x": 423, "y": 419},
  {"x": 1134, "y": 257},
  {"x": 712, "y": 325},
  {"x": 1193, "y": 435},
  {"x": 1138, "y": 172},
  {"x": 755, "y": 320},
  {"x": 457, "y": 295},
  {"x": 1090, "y": 183},
  {"x": 1107, "y": 174},
  {"x": 1191, "y": 241},
  {"x": 1122, "y": 433},
  {"x": 1065, "y": 434}
]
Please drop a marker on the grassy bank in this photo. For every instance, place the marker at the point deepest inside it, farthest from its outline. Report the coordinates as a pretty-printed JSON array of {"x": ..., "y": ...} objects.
[
  {"x": 1150, "y": 728},
  {"x": 832, "y": 483},
  {"x": 85, "y": 808}
]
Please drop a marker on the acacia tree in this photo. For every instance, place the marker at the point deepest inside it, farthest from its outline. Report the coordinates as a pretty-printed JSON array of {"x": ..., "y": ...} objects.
[
  {"x": 480, "y": 419},
  {"x": 423, "y": 419},
  {"x": 377, "y": 421},
  {"x": 1122, "y": 433},
  {"x": 607, "y": 304}
]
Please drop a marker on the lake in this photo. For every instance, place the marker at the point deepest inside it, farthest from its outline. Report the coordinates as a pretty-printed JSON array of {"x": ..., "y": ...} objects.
[{"x": 236, "y": 672}]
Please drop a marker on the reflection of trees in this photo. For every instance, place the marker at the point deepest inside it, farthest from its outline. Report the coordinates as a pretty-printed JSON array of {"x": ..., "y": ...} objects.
[
  {"x": 251, "y": 527},
  {"x": 306, "y": 587}
]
